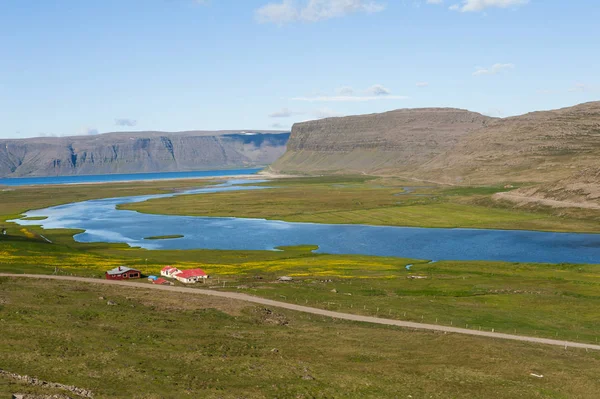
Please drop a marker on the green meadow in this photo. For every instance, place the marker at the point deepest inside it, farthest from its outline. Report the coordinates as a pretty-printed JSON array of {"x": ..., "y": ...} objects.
[
  {"x": 169, "y": 345},
  {"x": 146, "y": 338},
  {"x": 374, "y": 201}
]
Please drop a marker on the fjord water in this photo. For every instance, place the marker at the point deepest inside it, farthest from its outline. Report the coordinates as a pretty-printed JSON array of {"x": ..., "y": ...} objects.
[
  {"x": 102, "y": 222},
  {"x": 113, "y": 178}
]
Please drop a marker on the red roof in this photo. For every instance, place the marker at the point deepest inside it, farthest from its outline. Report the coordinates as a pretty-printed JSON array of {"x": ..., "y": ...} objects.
[
  {"x": 160, "y": 281},
  {"x": 167, "y": 268},
  {"x": 191, "y": 273}
]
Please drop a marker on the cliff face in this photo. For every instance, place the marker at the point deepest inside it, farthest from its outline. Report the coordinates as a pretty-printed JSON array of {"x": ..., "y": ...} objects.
[
  {"x": 138, "y": 152},
  {"x": 378, "y": 143},
  {"x": 449, "y": 145}
]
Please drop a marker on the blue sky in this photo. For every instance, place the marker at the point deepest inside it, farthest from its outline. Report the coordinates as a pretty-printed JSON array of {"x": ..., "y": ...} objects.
[{"x": 80, "y": 67}]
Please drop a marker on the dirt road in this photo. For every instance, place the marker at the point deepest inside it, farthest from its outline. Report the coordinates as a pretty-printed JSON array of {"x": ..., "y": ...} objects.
[{"x": 315, "y": 311}]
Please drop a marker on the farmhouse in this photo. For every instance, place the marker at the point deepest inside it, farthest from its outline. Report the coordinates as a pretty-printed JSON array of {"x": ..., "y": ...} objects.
[
  {"x": 191, "y": 276},
  {"x": 169, "y": 271},
  {"x": 123, "y": 273}
]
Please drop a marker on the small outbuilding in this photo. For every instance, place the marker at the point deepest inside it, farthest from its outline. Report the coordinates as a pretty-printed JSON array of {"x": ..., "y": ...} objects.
[
  {"x": 123, "y": 273},
  {"x": 161, "y": 281}
]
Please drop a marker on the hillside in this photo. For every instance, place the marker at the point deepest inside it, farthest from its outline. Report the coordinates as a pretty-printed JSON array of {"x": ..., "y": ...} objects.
[
  {"x": 138, "y": 152},
  {"x": 537, "y": 147},
  {"x": 582, "y": 190},
  {"x": 456, "y": 147},
  {"x": 378, "y": 143}
]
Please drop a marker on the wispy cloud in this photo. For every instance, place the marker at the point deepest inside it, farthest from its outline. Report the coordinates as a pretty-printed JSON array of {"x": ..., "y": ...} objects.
[
  {"x": 323, "y": 113},
  {"x": 579, "y": 87},
  {"x": 284, "y": 113},
  {"x": 422, "y": 84},
  {"x": 481, "y": 5},
  {"x": 493, "y": 70},
  {"x": 125, "y": 122},
  {"x": 435, "y": 1},
  {"x": 373, "y": 93},
  {"x": 288, "y": 11},
  {"x": 91, "y": 131}
]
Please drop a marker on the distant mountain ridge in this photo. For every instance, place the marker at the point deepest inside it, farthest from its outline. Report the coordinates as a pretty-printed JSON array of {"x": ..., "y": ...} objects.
[{"x": 139, "y": 152}]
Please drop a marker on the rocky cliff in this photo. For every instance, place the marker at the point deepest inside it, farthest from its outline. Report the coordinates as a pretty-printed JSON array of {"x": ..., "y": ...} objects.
[
  {"x": 450, "y": 145},
  {"x": 139, "y": 152},
  {"x": 385, "y": 143}
]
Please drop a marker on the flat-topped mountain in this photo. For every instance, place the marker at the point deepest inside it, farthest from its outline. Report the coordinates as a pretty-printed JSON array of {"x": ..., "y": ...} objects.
[
  {"x": 138, "y": 152},
  {"x": 378, "y": 143},
  {"x": 449, "y": 145}
]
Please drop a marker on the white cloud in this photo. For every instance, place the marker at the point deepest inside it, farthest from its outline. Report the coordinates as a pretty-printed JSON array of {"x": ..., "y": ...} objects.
[
  {"x": 279, "y": 126},
  {"x": 493, "y": 70},
  {"x": 378, "y": 90},
  {"x": 323, "y": 113},
  {"x": 579, "y": 87},
  {"x": 347, "y": 98},
  {"x": 284, "y": 113},
  {"x": 347, "y": 94},
  {"x": 495, "y": 113},
  {"x": 435, "y": 1},
  {"x": 125, "y": 122},
  {"x": 288, "y": 11},
  {"x": 345, "y": 91},
  {"x": 422, "y": 84},
  {"x": 480, "y": 5},
  {"x": 91, "y": 131}
]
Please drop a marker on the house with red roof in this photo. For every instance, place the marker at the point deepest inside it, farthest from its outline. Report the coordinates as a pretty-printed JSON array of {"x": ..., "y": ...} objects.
[
  {"x": 191, "y": 276},
  {"x": 123, "y": 273},
  {"x": 169, "y": 271},
  {"x": 161, "y": 281}
]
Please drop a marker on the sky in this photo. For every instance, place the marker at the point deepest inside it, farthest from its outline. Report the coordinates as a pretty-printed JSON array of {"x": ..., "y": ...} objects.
[{"x": 70, "y": 67}]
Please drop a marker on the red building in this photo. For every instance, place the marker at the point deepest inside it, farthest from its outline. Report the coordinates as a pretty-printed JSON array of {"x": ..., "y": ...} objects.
[{"x": 123, "y": 273}]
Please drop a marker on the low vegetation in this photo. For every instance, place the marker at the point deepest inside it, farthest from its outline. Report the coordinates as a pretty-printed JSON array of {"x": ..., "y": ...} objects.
[
  {"x": 230, "y": 349},
  {"x": 174, "y": 345},
  {"x": 171, "y": 237},
  {"x": 383, "y": 201}
]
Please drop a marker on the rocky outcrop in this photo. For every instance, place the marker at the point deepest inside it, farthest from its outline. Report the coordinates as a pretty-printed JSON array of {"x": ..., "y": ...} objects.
[
  {"x": 384, "y": 143},
  {"x": 80, "y": 392},
  {"x": 138, "y": 152}
]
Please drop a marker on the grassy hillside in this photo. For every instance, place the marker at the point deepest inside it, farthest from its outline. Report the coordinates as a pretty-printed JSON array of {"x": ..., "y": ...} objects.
[{"x": 173, "y": 346}]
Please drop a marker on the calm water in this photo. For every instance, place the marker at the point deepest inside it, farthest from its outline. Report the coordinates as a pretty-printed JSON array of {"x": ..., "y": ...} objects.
[
  {"x": 103, "y": 223},
  {"x": 27, "y": 181}
]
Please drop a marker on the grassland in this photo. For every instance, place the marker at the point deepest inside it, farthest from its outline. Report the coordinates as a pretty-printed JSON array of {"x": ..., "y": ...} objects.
[
  {"x": 176, "y": 346},
  {"x": 77, "y": 337},
  {"x": 365, "y": 200}
]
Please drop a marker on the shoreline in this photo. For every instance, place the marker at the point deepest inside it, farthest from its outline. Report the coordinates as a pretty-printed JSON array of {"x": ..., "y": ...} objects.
[{"x": 256, "y": 176}]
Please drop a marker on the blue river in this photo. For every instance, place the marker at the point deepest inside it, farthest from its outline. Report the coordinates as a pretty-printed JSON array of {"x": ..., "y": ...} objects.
[
  {"x": 112, "y": 178},
  {"x": 102, "y": 222}
]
